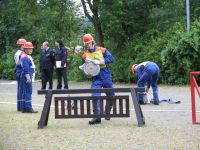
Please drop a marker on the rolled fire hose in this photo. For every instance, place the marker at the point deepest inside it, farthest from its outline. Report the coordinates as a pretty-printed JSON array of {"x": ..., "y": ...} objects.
[{"x": 90, "y": 69}]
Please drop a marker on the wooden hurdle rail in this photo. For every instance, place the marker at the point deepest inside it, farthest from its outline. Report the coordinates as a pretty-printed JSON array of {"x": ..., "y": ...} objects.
[
  {"x": 48, "y": 99},
  {"x": 120, "y": 107}
]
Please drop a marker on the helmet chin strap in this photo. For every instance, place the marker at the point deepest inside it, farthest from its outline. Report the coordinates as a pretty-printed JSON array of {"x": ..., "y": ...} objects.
[
  {"x": 26, "y": 52},
  {"x": 91, "y": 49}
]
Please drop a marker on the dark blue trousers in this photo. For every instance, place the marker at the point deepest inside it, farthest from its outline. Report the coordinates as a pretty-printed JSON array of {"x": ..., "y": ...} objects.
[{"x": 102, "y": 83}]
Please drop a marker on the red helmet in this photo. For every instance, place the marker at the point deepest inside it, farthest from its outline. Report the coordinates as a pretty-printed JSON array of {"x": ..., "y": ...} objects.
[
  {"x": 87, "y": 38},
  {"x": 28, "y": 45},
  {"x": 21, "y": 41},
  {"x": 133, "y": 68}
]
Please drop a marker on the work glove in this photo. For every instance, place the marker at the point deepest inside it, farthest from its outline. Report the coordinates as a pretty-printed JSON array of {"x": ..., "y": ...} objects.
[
  {"x": 81, "y": 67},
  {"x": 28, "y": 78},
  {"x": 98, "y": 62},
  {"x": 88, "y": 60}
]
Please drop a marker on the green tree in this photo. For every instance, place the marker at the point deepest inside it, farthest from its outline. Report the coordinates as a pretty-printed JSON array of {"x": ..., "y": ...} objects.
[{"x": 36, "y": 21}]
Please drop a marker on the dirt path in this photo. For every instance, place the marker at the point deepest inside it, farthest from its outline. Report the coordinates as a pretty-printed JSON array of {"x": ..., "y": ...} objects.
[{"x": 168, "y": 126}]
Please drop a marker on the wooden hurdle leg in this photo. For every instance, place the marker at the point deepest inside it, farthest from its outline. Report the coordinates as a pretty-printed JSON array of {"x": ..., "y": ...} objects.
[
  {"x": 45, "y": 112},
  {"x": 137, "y": 107}
]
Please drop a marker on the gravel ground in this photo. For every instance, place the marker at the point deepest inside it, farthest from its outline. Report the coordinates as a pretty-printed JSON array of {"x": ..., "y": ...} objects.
[{"x": 168, "y": 126}]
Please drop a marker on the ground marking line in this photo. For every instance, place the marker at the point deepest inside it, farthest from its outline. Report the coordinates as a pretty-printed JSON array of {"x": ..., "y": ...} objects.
[
  {"x": 13, "y": 82},
  {"x": 147, "y": 110}
]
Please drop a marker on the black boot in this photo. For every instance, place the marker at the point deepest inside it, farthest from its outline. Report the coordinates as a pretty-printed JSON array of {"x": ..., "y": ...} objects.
[
  {"x": 95, "y": 121},
  {"x": 156, "y": 102},
  {"x": 106, "y": 112},
  {"x": 107, "y": 118},
  {"x": 32, "y": 111},
  {"x": 141, "y": 103},
  {"x": 29, "y": 111}
]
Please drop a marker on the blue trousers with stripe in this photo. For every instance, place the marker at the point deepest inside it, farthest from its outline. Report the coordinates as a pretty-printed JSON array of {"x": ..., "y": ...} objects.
[
  {"x": 26, "y": 90},
  {"x": 102, "y": 83}
]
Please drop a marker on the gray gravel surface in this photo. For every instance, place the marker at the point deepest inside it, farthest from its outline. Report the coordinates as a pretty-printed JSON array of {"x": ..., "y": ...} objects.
[{"x": 168, "y": 126}]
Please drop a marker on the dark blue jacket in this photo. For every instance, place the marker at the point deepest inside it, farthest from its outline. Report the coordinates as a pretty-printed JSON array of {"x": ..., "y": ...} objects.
[
  {"x": 47, "y": 59},
  {"x": 61, "y": 55}
]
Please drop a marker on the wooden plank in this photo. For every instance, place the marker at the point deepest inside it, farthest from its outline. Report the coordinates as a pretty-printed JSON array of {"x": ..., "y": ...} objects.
[
  {"x": 75, "y": 107},
  {"x": 69, "y": 106},
  {"x": 120, "y": 106},
  {"x": 62, "y": 108},
  {"x": 79, "y": 91},
  {"x": 127, "y": 106},
  {"x": 101, "y": 106},
  {"x": 45, "y": 112},
  {"x": 75, "y": 98},
  {"x": 114, "y": 107},
  {"x": 84, "y": 97},
  {"x": 92, "y": 116},
  {"x": 107, "y": 106},
  {"x": 82, "y": 107},
  {"x": 56, "y": 108},
  {"x": 137, "y": 107},
  {"x": 90, "y": 97},
  {"x": 95, "y": 106},
  {"x": 88, "y": 107}
]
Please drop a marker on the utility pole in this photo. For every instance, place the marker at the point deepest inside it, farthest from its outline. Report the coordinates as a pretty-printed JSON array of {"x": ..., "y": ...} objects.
[{"x": 188, "y": 14}]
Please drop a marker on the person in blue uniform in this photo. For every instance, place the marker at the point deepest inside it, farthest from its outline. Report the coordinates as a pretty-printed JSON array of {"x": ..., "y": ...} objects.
[
  {"x": 61, "y": 64},
  {"x": 26, "y": 79},
  {"x": 148, "y": 73},
  {"x": 20, "y": 44},
  {"x": 47, "y": 65},
  {"x": 99, "y": 56}
]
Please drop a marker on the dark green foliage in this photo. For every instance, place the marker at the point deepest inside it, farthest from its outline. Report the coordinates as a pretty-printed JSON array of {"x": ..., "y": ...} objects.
[
  {"x": 36, "y": 21},
  {"x": 180, "y": 56},
  {"x": 134, "y": 31},
  {"x": 74, "y": 72},
  {"x": 7, "y": 64}
]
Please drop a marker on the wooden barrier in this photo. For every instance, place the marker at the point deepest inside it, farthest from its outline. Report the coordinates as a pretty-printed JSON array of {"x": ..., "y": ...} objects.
[
  {"x": 120, "y": 104},
  {"x": 82, "y": 107}
]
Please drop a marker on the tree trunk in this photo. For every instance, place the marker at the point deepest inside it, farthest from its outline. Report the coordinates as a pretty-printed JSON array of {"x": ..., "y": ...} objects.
[
  {"x": 99, "y": 34},
  {"x": 94, "y": 19}
]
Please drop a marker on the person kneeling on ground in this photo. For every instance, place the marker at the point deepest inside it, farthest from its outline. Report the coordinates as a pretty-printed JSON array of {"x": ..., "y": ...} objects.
[{"x": 148, "y": 72}]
